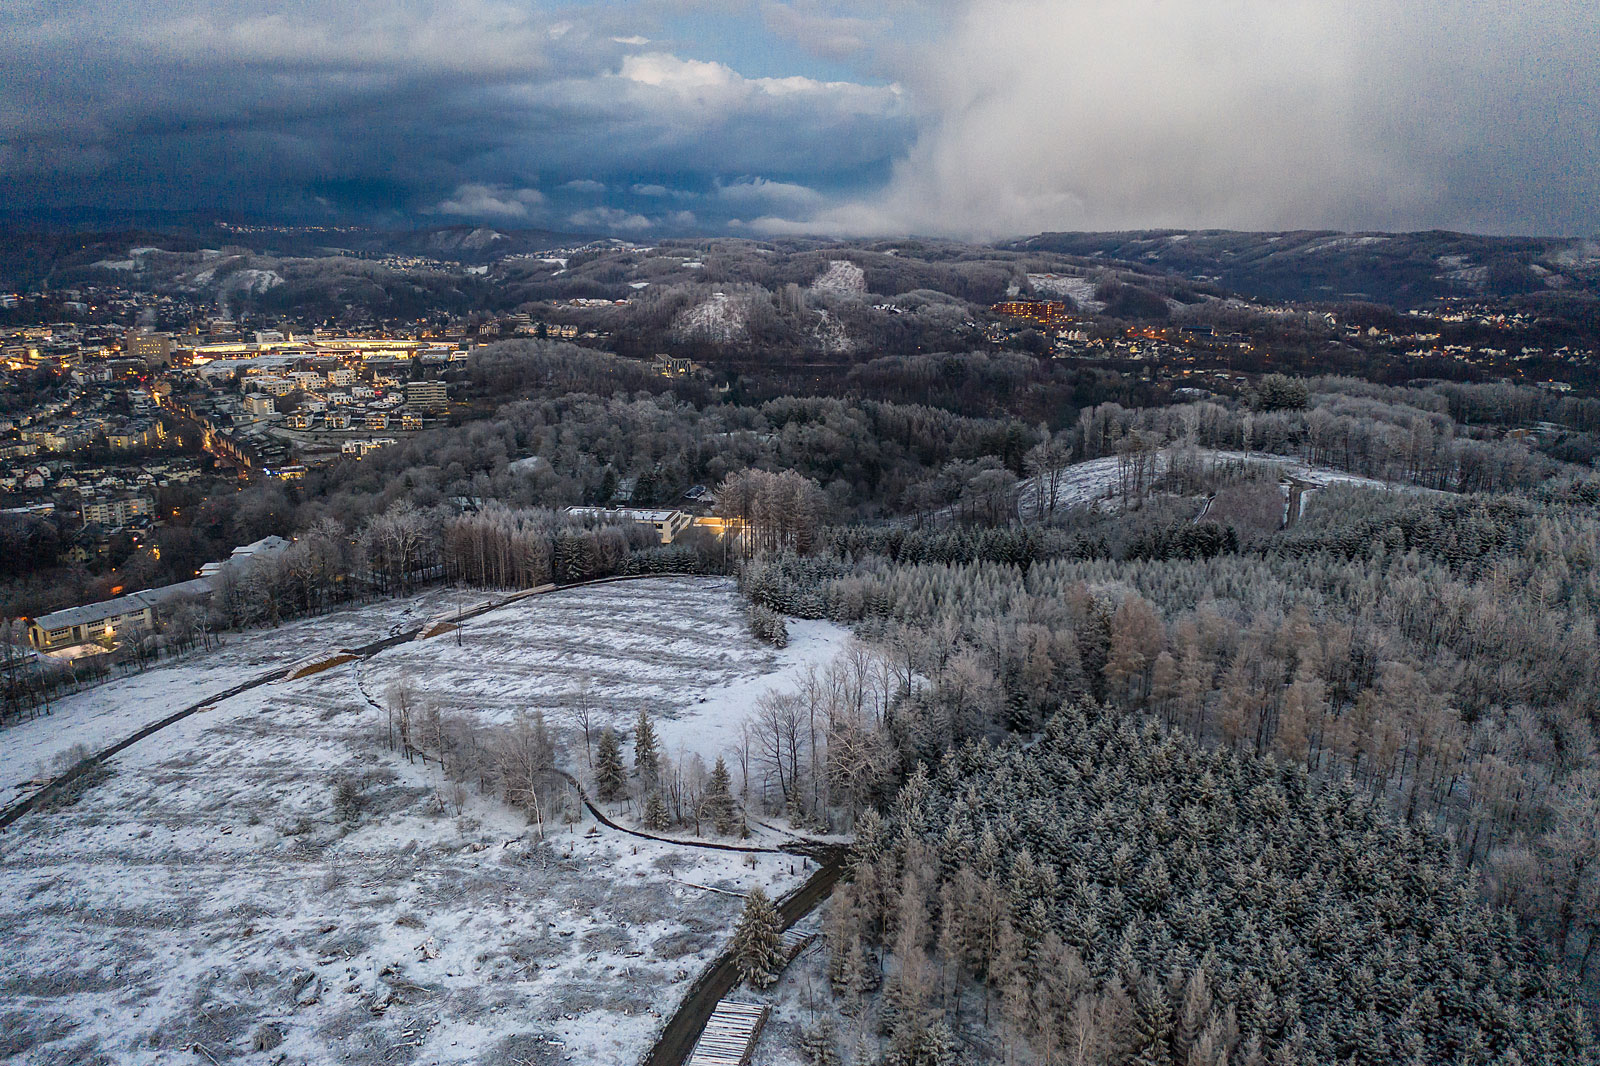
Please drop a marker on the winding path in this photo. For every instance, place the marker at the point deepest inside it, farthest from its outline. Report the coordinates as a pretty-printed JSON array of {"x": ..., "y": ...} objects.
[{"x": 678, "y": 1036}]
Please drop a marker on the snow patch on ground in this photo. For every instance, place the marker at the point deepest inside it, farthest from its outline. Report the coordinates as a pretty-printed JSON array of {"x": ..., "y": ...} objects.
[
  {"x": 1095, "y": 483},
  {"x": 830, "y": 334},
  {"x": 252, "y": 281},
  {"x": 1079, "y": 290},
  {"x": 1337, "y": 243},
  {"x": 207, "y": 887},
  {"x": 118, "y": 264},
  {"x": 1474, "y": 278},
  {"x": 679, "y": 647},
  {"x": 102, "y": 715},
  {"x": 721, "y": 320},
  {"x": 843, "y": 279},
  {"x": 1580, "y": 254}
]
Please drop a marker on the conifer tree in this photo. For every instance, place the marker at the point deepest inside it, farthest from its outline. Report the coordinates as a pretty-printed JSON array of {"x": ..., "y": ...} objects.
[
  {"x": 719, "y": 805},
  {"x": 916, "y": 1044},
  {"x": 656, "y": 815},
  {"x": 820, "y": 1043},
  {"x": 758, "y": 941},
  {"x": 646, "y": 760},
  {"x": 610, "y": 776}
]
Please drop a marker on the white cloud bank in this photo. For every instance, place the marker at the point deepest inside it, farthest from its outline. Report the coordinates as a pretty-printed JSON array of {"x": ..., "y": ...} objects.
[
  {"x": 489, "y": 201},
  {"x": 1120, "y": 114}
]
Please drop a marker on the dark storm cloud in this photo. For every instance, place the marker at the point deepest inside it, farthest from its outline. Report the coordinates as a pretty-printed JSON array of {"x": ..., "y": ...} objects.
[
  {"x": 393, "y": 110},
  {"x": 972, "y": 117}
]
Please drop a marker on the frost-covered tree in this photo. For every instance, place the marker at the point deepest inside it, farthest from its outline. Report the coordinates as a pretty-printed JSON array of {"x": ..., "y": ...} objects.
[
  {"x": 610, "y": 776},
  {"x": 1196, "y": 902},
  {"x": 656, "y": 815},
  {"x": 718, "y": 804},
  {"x": 758, "y": 941},
  {"x": 646, "y": 758}
]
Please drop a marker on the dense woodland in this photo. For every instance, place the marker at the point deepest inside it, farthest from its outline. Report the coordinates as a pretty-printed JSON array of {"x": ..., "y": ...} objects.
[{"x": 1114, "y": 893}]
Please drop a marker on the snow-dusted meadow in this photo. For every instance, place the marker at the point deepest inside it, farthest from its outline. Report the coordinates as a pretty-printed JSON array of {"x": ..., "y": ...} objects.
[
  {"x": 206, "y": 898},
  {"x": 104, "y": 714},
  {"x": 1079, "y": 290},
  {"x": 678, "y": 647},
  {"x": 1095, "y": 482}
]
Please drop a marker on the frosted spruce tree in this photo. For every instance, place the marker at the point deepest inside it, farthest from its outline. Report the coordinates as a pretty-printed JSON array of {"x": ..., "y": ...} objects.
[
  {"x": 719, "y": 805},
  {"x": 758, "y": 941},
  {"x": 610, "y": 776},
  {"x": 646, "y": 759}
]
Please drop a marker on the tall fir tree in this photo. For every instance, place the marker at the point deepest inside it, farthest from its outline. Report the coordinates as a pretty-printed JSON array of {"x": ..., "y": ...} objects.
[
  {"x": 610, "y": 776},
  {"x": 758, "y": 941},
  {"x": 719, "y": 805},
  {"x": 646, "y": 759},
  {"x": 656, "y": 815}
]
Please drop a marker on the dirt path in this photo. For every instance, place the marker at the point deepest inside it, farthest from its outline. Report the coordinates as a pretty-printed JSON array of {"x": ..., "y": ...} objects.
[
  {"x": 1296, "y": 502},
  {"x": 673, "y": 1046},
  {"x": 678, "y": 1037}
]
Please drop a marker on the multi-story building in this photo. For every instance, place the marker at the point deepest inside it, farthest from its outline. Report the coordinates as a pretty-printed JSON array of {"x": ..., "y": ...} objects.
[
  {"x": 427, "y": 395},
  {"x": 667, "y": 524},
  {"x": 154, "y": 349},
  {"x": 117, "y": 512},
  {"x": 134, "y": 435}
]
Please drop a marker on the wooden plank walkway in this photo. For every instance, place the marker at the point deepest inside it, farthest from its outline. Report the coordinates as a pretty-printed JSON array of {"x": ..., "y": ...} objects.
[{"x": 730, "y": 1035}]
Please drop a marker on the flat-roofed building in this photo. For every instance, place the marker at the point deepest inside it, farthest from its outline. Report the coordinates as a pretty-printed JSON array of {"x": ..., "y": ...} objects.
[
  {"x": 667, "y": 524},
  {"x": 115, "y": 513},
  {"x": 109, "y": 619},
  {"x": 427, "y": 395},
  {"x": 153, "y": 349}
]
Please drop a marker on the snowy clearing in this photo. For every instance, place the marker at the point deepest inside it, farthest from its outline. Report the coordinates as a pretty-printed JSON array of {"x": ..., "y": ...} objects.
[
  {"x": 207, "y": 894},
  {"x": 1079, "y": 290},
  {"x": 677, "y": 646},
  {"x": 1095, "y": 482},
  {"x": 842, "y": 279},
  {"x": 104, "y": 714},
  {"x": 721, "y": 319}
]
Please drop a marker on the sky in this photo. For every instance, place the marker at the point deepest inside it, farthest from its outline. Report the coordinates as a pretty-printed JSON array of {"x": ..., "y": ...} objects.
[{"x": 977, "y": 119}]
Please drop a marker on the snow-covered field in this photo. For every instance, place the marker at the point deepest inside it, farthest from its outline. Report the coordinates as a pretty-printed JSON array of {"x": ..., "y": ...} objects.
[
  {"x": 206, "y": 896},
  {"x": 102, "y": 715},
  {"x": 1095, "y": 482},
  {"x": 677, "y": 646},
  {"x": 1079, "y": 290},
  {"x": 721, "y": 319},
  {"x": 842, "y": 279},
  {"x": 1078, "y": 485}
]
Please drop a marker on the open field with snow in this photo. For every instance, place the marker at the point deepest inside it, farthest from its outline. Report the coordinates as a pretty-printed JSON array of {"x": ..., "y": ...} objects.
[
  {"x": 1095, "y": 482},
  {"x": 102, "y": 715},
  {"x": 207, "y": 893},
  {"x": 676, "y": 646}
]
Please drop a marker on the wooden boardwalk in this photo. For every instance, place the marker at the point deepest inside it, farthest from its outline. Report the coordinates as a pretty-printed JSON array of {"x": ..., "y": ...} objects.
[{"x": 730, "y": 1035}]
